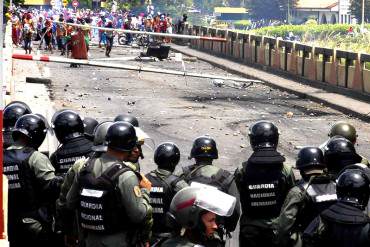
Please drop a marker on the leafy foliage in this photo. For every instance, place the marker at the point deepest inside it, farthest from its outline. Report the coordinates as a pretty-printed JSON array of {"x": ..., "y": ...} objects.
[
  {"x": 356, "y": 9},
  {"x": 242, "y": 24},
  {"x": 16, "y": 2},
  {"x": 331, "y": 36},
  {"x": 270, "y": 9}
]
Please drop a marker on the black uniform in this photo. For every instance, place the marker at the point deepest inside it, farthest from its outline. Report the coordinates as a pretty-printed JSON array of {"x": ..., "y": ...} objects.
[
  {"x": 69, "y": 130},
  {"x": 70, "y": 151},
  {"x": 341, "y": 225},
  {"x": 33, "y": 185},
  {"x": 263, "y": 182},
  {"x": 303, "y": 203},
  {"x": 164, "y": 187},
  {"x": 103, "y": 213},
  {"x": 344, "y": 223}
]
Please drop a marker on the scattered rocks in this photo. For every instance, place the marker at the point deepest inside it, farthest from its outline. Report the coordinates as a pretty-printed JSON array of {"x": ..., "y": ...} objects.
[
  {"x": 289, "y": 114},
  {"x": 218, "y": 82}
]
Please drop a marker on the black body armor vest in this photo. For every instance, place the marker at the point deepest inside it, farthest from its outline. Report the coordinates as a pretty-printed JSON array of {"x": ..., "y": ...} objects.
[
  {"x": 65, "y": 156},
  {"x": 22, "y": 182},
  {"x": 222, "y": 179},
  {"x": 321, "y": 193},
  {"x": 101, "y": 209},
  {"x": 263, "y": 185},
  {"x": 161, "y": 195},
  {"x": 346, "y": 226}
]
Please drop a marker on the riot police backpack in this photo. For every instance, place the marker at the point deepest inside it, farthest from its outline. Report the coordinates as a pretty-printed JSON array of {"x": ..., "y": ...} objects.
[
  {"x": 222, "y": 179},
  {"x": 100, "y": 208},
  {"x": 161, "y": 195}
]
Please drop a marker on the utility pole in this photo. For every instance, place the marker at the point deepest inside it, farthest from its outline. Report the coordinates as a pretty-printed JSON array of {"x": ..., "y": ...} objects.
[
  {"x": 363, "y": 16},
  {"x": 288, "y": 16}
]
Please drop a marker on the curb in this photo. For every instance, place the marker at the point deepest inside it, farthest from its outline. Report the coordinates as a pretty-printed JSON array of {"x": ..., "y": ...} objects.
[{"x": 316, "y": 98}]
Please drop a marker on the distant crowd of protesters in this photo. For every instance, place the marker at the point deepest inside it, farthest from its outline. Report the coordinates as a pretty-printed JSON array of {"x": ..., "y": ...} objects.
[{"x": 51, "y": 29}]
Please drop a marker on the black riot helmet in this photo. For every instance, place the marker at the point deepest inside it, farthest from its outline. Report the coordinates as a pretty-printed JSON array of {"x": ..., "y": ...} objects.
[
  {"x": 89, "y": 126},
  {"x": 127, "y": 118},
  {"x": 339, "y": 153},
  {"x": 353, "y": 188},
  {"x": 121, "y": 136},
  {"x": 310, "y": 158},
  {"x": 204, "y": 147},
  {"x": 31, "y": 126},
  {"x": 167, "y": 156},
  {"x": 345, "y": 130},
  {"x": 100, "y": 132},
  {"x": 56, "y": 114},
  {"x": 263, "y": 134},
  {"x": 359, "y": 166},
  {"x": 67, "y": 125},
  {"x": 12, "y": 112},
  {"x": 19, "y": 103}
]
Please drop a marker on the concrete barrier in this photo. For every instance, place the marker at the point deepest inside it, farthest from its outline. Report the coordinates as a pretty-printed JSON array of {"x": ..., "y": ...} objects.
[
  {"x": 319, "y": 70},
  {"x": 365, "y": 58},
  {"x": 338, "y": 68},
  {"x": 366, "y": 80}
]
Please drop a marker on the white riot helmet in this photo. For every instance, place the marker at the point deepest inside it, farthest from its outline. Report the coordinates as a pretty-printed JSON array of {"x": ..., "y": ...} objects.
[{"x": 188, "y": 204}]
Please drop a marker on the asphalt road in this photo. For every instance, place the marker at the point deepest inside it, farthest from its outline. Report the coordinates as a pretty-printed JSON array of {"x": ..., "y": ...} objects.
[{"x": 179, "y": 109}]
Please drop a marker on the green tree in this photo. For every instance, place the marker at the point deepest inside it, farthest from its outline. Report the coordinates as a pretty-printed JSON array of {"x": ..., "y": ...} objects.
[
  {"x": 356, "y": 9},
  {"x": 16, "y": 2},
  {"x": 270, "y": 9},
  {"x": 207, "y": 6}
]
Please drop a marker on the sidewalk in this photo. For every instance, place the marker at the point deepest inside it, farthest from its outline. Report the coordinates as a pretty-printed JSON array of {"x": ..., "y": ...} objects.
[
  {"x": 337, "y": 101},
  {"x": 36, "y": 95}
]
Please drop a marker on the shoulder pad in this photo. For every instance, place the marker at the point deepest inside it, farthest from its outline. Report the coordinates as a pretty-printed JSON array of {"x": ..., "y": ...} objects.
[{"x": 172, "y": 180}]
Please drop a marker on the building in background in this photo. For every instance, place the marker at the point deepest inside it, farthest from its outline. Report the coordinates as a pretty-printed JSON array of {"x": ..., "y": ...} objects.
[{"x": 324, "y": 11}]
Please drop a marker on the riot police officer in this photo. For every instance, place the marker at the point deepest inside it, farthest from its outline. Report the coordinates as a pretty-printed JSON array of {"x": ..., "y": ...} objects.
[
  {"x": 204, "y": 151},
  {"x": 346, "y": 130},
  {"x": 127, "y": 118},
  {"x": 33, "y": 185},
  {"x": 164, "y": 186},
  {"x": 113, "y": 200},
  {"x": 89, "y": 126},
  {"x": 69, "y": 130},
  {"x": 66, "y": 223},
  {"x": 195, "y": 209},
  {"x": 138, "y": 152},
  {"x": 344, "y": 223},
  {"x": 339, "y": 153},
  {"x": 12, "y": 112},
  {"x": 314, "y": 193},
  {"x": 263, "y": 182}
]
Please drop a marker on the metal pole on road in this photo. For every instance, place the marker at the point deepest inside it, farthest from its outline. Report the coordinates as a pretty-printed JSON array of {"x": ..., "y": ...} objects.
[
  {"x": 127, "y": 67},
  {"x": 170, "y": 35}
]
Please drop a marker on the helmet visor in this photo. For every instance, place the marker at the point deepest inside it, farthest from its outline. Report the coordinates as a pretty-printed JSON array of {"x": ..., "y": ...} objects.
[{"x": 211, "y": 199}]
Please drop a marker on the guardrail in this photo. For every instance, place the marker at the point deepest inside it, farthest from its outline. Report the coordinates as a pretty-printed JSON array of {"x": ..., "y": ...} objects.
[
  {"x": 8, "y": 87},
  {"x": 335, "y": 67}
]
